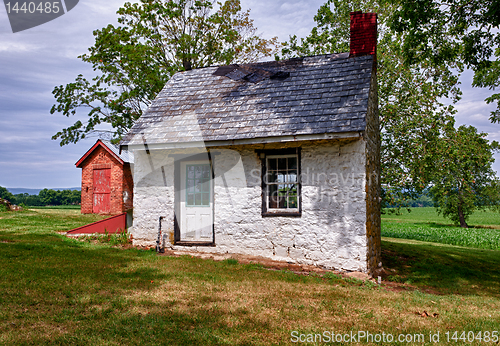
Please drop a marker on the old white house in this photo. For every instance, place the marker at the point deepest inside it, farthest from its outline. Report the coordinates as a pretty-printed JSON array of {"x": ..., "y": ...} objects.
[{"x": 278, "y": 159}]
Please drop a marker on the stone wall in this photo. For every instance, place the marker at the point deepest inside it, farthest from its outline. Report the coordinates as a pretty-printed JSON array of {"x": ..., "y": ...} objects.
[
  {"x": 373, "y": 197},
  {"x": 331, "y": 231}
]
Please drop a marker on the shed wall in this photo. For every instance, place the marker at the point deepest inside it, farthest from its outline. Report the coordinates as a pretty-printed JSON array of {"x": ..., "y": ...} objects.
[
  {"x": 331, "y": 231},
  {"x": 121, "y": 183}
]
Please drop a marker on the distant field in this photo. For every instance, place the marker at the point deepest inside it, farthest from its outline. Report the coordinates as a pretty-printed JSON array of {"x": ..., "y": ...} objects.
[
  {"x": 74, "y": 207},
  {"x": 426, "y": 225},
  {"x": 483, "y": 218}
]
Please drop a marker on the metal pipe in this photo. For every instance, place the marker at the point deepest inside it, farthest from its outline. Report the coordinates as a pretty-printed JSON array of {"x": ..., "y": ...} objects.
[{"x": 159, "y": 247}]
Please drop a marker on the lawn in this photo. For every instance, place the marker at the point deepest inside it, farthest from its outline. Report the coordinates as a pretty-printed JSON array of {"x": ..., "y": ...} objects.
[{"x": 61, "y": 291}]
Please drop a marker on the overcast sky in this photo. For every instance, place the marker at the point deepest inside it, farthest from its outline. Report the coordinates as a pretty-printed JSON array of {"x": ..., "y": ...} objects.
[{"x": 35, "y": 60}]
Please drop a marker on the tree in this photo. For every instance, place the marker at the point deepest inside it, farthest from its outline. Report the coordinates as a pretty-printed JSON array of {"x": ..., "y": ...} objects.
[
  {"x": 5, "y": 194},
  {"x": 48, "y": 197},
  {"x": 463, "y": 179},
  {"x": 156, "y": 39},
  {"x": 450, "y": 31},
  {"x": 412, "y": 113}
]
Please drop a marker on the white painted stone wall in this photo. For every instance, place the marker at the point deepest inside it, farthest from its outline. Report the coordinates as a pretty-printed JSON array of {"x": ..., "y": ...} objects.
[{"x": 331, "y": 231}]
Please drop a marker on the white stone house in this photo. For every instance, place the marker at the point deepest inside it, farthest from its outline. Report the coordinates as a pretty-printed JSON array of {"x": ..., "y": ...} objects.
[{"x": 277, "y": 159}]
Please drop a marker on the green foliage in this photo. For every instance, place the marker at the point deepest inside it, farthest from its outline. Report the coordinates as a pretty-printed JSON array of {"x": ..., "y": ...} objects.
[
  {"x": 231, "y": 261},
  {"x": 5, "y": 194},
  {"x": 454, "y": 33},
  {"x": 427, "y": 225},
  {"x": 411, "y": 108},
  {"x": 155, "y": 39},
  {"x": 463, "y": 179},
  {"x": 3, "y": 208},
  {"x": 50, "y": 197},
  {"x": 120, "y": 238},
  {"x": 480, "y": 238}
]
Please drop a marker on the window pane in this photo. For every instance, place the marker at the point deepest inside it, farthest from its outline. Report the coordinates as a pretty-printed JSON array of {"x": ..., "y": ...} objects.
[
  {"x": 190, "y": 172},
  {"x": 291, "y": 177},
  {"x": 205, "y": 199},
  {"x": 197, "y": 187},
  {"x": 282, "y": 164},
  {"x": 281, "y": 177},
  {"x": 206, "y": 172},
  {"x": 292, "y": 163},
  {"x": 272, "y": 195},
  {"x": 190, "y": 199},
  {"x": 206, "y": 186},
  {"x": 190, "y": 185},
  {"x": 272, "y": 164},
  {"x": 198, "y": 171},
  {"x": 272, "y": 177},
  {"x": 281, "y": 190},
  {"x": 197, "y": 199}
]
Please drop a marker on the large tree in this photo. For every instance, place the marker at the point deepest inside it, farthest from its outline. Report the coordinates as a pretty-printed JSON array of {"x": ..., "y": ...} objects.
[
  {"x": 463, "y": 180},
  {"x": 5, "y": 194},
  {"x": 133, "y": 61},
  {"x": 450, "y": 31},
  {"x": 412, "y": 113}
]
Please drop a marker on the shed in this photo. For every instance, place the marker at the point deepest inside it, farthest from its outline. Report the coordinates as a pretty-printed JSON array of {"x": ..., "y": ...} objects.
[
  {"x": 107, "y": 184},
  {"x": 278, "y": 159}
]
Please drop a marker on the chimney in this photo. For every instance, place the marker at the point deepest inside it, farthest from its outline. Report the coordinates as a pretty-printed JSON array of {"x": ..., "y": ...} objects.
[{"x": 363, "y": 34}]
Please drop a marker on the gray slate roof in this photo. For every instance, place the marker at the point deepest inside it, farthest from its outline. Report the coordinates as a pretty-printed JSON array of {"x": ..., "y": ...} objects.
[
  {"x": 323, "y": 94},
  {"x": 125, "y": 155}
]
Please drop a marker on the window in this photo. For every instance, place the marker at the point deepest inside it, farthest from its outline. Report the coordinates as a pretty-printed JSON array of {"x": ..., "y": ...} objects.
[
  {"x": 281, "y": 185},
  {"x": 198, "y": 185}
]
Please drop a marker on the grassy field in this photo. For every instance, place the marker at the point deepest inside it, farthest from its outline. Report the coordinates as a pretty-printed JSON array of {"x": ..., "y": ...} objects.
[
  {"x": 75, "y": 207},
  {"x": 425, "y": 224},
  {"x": 60, "y": 291}
]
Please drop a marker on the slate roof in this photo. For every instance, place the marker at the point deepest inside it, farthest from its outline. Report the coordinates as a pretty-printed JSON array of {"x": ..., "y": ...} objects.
[
  {"x": 125, "y": 155},
  {"x": 322, "y": 94}
]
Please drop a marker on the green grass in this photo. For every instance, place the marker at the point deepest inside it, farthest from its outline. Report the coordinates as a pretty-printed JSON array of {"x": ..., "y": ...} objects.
[
  {"x": 479, "y": 218},
  {"x": 59, "y": 291},
  {"x": 426, "y": 225},
  {"x": 442, "y": 268},
  {"x": 76, "y": 207}
]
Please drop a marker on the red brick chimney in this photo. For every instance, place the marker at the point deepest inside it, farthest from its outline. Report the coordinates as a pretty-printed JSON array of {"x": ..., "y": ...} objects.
[{"x": 363, "y": 34}]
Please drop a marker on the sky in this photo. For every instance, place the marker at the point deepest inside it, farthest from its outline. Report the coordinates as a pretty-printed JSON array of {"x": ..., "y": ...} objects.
[{"x": 34, "y": 61}]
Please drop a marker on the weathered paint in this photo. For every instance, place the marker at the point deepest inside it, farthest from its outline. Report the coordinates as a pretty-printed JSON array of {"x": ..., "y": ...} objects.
[
  {"x": 120, "y": 181},
  {"x": 111, "y": 225},
  {"x": 102, "y": 191}
]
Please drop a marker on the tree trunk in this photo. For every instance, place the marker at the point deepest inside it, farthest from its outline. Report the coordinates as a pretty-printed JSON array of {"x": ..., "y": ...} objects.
[{"x": 461, "y": 217}]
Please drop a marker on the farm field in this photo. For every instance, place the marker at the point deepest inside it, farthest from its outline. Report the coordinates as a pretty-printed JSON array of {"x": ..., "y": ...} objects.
[
  {"x": 425, "y": 224},
  {"x": 60, "y": 291}
]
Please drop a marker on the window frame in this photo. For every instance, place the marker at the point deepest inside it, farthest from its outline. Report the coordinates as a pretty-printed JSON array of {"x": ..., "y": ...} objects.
[{"x": 280, "y": 153}]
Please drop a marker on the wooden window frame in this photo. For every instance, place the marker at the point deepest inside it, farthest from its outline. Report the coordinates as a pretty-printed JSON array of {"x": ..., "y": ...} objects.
[{"x": 289, "y": 152}]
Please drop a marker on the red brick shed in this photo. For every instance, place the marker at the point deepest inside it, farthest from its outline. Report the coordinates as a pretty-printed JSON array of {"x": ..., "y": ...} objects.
[{"x": 107, "y": 185}]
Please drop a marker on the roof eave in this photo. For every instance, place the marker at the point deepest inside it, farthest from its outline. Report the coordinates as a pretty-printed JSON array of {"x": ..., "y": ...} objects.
[
  {"x": 246, "y": 141},
  {"x": 79, "y": 163}
]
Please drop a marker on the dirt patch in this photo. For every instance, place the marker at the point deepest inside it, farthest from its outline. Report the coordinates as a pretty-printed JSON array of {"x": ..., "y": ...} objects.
[{"x": 248, "y": 259}]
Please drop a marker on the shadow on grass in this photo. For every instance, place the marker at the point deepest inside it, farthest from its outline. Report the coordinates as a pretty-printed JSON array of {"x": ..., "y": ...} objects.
[
  {"x": 59, "y": 291},
  {"x": 445, "y": 269}
]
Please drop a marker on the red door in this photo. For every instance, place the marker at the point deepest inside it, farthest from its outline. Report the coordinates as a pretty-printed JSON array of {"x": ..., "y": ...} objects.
[{"x": 102, "y": 191}]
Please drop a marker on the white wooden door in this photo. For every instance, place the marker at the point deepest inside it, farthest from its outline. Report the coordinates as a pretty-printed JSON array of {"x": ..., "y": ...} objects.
[{"x": 196, "y": 201}]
